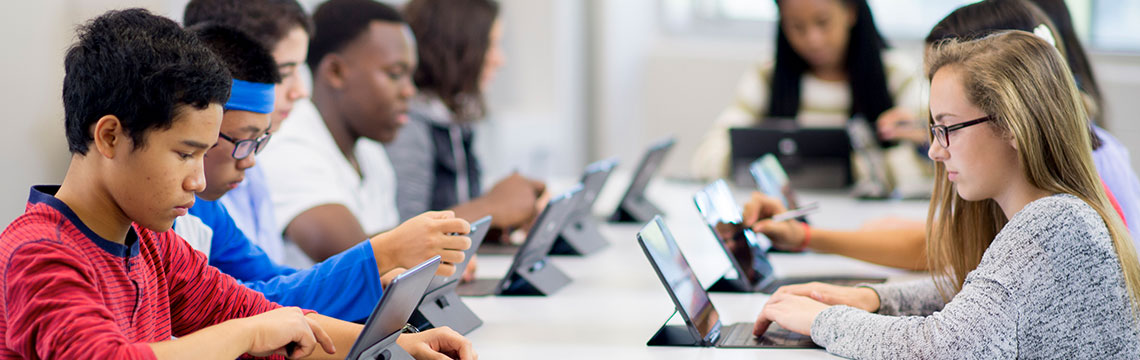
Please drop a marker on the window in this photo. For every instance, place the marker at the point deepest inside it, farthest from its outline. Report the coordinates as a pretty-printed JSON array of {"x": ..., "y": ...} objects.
[
  {"x": 1112, "y": 25},
  {"x": 1115, "y": 25}
]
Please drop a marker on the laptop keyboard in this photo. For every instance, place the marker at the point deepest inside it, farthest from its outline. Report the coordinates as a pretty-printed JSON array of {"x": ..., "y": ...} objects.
[{"x": 740, "y": 335}]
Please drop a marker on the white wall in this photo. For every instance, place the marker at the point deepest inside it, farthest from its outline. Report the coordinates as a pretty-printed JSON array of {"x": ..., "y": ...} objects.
[
  {"x": 35, "y": 36},
  {"x": 537, "y": 105},
  {"x": 584, "y": 80}
]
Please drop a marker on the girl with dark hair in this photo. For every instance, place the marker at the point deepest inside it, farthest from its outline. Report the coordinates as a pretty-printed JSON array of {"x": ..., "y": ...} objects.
[
  {"x": 902, "y": 243},
  {"x": 831, "y": 65},
  {"x": 436, "y": 167}
]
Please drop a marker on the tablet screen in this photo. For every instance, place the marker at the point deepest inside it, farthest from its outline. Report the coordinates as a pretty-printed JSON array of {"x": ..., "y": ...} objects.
[
  {"x": 748, "y": 250},
  {"x": 674, "y": 272}
]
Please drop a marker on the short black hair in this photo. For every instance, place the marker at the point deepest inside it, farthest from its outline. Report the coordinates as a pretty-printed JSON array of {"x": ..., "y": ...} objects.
[
  {"x": 267, "y": 21},
  {"x": 338, "y": 22},
  {"x": 246, "y": 59},
  {"x": 140, "y": 68}
]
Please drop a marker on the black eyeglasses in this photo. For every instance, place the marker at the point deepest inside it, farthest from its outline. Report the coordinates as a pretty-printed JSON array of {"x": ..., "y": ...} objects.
[
  {"x": 942, "y": 132},
  {"x": 246, "y": 147}
]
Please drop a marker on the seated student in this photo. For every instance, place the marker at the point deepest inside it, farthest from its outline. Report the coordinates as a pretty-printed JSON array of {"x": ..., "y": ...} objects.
[
  {"x": 902, "y": 243},
  {"x": 831, "y": 64},
  {"x": 92, "y": 270},
  {"x": 282, "y": 27},
  {"x": 346, "y": 286},
  {"x": 1030, "y": 260},
  {"x": 329, "y": 178},
  {"x": 1113, "y": 162},
  {"x": 436, "y": 167}
]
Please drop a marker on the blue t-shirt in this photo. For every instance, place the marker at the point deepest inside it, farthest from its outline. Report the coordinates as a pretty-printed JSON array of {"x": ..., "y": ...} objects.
[
  {"x": 252, "y": 210},
  {"x": 346, "y": 286}
]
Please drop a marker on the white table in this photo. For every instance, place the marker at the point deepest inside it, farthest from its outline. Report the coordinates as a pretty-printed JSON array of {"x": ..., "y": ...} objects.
[{"x": 615, "y": 302}]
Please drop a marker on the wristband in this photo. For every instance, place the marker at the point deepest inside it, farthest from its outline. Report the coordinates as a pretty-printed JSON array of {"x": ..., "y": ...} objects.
[{"x": 807, "y": 237}]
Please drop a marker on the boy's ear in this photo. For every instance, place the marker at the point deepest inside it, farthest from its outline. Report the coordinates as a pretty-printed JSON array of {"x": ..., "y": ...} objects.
[
  {"x": 332, "y": 69},
  {"x": 109, "y": 135}
]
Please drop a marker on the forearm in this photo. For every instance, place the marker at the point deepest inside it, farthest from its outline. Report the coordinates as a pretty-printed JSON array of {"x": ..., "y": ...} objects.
[
  {"x": 980, "y": 323},
  {"x": 916, "y": 297},
  {"x": 343, "y": 335},
  {"x": 856, "y": 334},
  {"x": 348, "y": 285},
  {"x": 325, "y": 230},
  {"x": 320, "y": 248},
  {"x": 227, "y": 340},
  {"x": 900, "y": 248}
]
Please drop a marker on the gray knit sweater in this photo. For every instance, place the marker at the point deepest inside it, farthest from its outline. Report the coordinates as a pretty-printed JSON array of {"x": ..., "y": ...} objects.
[{"x": 1049, "y": 286}]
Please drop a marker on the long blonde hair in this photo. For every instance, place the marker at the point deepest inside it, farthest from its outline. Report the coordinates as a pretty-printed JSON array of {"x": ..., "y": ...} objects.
[{"x": 1025, "y": 85}]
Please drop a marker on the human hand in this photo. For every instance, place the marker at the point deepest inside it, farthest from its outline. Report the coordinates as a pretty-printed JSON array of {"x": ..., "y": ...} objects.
[
  {"x": 469, "y": 272},
  {"x": 513, "y": 201},
  {"x": 793, "y": 312},
  {"x": 277, "y": 331},
  {"x": 785, "y": 235},
  {"x": 419, "y": 239},
  {"x": 898, "y": 123},
  {"x": 440, "y": 343},
  {"x": 856, "y": 297},
  {"x": 387, "y": 278}
]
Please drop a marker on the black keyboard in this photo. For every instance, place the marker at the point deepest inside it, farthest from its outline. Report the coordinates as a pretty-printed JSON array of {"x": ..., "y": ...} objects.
[{"x": 740, "y": 335}]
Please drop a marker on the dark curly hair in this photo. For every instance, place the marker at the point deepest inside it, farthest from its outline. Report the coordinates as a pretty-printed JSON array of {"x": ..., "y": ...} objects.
[
  {"x": 140, "y": 68},
  {"x": 338, "y": 22},
  {"x": 245, "y": 57},
  {"x": 267, "y": 21}
]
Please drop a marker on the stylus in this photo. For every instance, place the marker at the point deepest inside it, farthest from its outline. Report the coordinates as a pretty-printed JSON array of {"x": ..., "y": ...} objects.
[{"x": 792, "y": 214}]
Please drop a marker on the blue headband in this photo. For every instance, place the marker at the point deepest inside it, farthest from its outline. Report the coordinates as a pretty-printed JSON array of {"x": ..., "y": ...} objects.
[{"x": 250, "y": 96}]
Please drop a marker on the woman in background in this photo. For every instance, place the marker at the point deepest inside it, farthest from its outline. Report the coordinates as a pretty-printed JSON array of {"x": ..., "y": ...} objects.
[
  {"x": 831, "y": 65},
  {"x": 436, "y": 167}
]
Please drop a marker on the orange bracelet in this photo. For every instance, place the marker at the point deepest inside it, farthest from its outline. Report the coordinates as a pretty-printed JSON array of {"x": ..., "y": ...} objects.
[{"x": 807, "y": 237}]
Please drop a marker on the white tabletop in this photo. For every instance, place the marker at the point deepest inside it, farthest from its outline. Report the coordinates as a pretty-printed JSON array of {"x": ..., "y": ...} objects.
[{"x": 615, "y": 302}]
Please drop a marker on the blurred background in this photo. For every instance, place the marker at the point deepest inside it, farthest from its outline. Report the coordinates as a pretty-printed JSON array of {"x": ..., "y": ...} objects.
[{"x": 583, "y": 80}]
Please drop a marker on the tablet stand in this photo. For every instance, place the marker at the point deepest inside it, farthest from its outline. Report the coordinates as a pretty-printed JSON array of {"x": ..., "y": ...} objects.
[
  {"x": 674, "y": 335},
  {"x": 386, "y": 349},
  {"x": 635, "y": 210},
  {"x": 540, "y": 279},
  {"x": 443, "y": 307},
  {"x": 579, "y": 237}
]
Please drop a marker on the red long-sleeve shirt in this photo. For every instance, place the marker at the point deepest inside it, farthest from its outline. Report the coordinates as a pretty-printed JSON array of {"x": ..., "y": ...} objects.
[{"x": 69, "y": 294}]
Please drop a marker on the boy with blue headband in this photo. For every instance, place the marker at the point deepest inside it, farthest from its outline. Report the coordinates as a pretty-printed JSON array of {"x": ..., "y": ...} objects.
[
  {"x": 283, "y": 28},
  {"x": 347, "y": 285}
]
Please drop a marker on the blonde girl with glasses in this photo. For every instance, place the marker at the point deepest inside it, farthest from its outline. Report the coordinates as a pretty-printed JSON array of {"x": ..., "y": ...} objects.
[{"x": 1029, "y": 259}]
